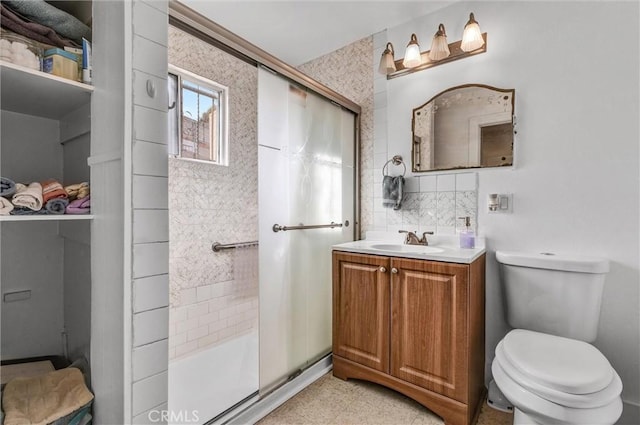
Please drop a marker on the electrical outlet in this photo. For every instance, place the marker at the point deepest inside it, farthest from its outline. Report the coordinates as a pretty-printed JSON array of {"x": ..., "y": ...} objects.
[{"x": 500, "y": 203}]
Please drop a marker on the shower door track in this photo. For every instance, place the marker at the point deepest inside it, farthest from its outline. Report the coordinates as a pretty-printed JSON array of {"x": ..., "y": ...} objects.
[{"x": 257, "y": 406}]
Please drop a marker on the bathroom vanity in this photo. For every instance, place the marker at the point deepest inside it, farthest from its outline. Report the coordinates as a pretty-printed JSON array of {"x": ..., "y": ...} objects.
[{"x": 412, "y": 321}]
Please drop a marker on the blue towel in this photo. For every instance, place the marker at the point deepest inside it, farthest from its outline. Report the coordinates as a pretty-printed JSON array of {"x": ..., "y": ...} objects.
[
  {"x": 27, "y": 211},
  {"x": 7, "y": 187},
  {"x": 392, "y": 192},
  {"x": 56, "y": 205},
  {"x": 50, "y": 16}
]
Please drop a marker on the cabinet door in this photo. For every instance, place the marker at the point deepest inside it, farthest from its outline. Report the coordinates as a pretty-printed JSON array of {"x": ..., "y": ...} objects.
[
  {"x": 361, "y": 309},
  {"x": 429, "y": 325}
]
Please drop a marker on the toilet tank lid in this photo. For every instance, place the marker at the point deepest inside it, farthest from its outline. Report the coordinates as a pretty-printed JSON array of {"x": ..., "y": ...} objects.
[{"x": 552, "y": 261}]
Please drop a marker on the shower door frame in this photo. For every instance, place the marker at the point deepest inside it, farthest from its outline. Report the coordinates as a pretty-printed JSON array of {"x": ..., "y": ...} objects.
[{"x": 186, "y": 19}]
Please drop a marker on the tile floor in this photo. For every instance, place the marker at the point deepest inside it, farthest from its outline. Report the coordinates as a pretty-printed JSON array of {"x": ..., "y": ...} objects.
[{"x": 332, "y": 401}]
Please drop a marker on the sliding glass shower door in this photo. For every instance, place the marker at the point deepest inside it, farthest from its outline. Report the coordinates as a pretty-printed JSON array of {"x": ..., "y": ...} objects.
[{"x": 306, "y": 181}]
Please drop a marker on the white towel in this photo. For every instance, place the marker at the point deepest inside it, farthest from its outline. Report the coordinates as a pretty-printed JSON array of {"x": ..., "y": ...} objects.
[
  {"x": 28, "y": 196},
  {"x": 5, "y": 206}
]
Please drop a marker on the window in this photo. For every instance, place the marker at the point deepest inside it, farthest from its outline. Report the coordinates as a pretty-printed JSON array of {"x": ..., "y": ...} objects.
[{"x": 197, "y": 117}]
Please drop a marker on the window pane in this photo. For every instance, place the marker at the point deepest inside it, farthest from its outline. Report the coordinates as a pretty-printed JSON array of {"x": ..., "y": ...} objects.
[{"x": 201, "y": 117}]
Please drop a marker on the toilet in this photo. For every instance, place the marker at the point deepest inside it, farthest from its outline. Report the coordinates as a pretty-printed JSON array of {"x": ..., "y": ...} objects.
[{"x": 545, "y": 366}]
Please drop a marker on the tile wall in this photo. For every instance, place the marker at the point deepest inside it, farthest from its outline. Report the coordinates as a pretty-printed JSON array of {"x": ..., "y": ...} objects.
[
  {"x": 430, "y": 203},
  {"x": 210, "y": 203}
]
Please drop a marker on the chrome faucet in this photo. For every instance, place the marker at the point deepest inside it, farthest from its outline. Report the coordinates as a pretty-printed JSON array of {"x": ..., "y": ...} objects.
[{"x": 413, "y": 239}]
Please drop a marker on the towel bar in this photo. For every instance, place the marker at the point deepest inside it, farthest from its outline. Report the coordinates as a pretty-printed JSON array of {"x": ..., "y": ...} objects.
[
  {"x": 278, "y": 228},
  {"x": 217, "y": 246}
]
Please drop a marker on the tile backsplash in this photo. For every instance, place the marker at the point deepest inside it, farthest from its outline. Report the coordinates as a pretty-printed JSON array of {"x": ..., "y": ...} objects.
[{"x": 430, "y": 203}]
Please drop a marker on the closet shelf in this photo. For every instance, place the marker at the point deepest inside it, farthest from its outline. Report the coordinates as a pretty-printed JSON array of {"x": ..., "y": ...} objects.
[
  {"x": 61, "y": 217},
  {"x": 37, "y": 93}
]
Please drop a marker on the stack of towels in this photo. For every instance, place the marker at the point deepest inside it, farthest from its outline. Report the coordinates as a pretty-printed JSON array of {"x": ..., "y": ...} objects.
[{"x": 47, "y": 197}]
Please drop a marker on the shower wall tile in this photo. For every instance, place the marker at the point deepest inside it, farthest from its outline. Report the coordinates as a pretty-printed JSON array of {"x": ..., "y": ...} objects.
[{"x": 210, "y": 203}]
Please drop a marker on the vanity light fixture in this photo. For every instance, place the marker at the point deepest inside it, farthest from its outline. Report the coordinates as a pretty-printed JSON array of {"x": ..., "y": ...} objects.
[
  {"x": 412, "y": 54},
  {"x": 471, "y": 36},
  {"x": 439, "y": 46},
  {"x": 387, "y": 64},
  {"x": 473, "y": 43}
]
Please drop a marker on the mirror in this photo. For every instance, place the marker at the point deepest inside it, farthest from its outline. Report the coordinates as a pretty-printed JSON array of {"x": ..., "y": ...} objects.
[{"x": 468, "y": 126}]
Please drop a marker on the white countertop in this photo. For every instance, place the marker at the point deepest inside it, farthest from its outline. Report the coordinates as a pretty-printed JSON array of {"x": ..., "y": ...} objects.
[{"x": 392, "y": 245}]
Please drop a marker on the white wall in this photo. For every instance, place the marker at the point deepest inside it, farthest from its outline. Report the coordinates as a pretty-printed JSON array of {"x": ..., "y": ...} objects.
[{"x": 575, "y": 183}]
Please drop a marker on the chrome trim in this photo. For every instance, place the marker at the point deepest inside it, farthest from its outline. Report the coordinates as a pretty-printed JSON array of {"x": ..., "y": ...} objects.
[
  {"x": 278, "y": 228},
  {"x": 217, "y": 246}
]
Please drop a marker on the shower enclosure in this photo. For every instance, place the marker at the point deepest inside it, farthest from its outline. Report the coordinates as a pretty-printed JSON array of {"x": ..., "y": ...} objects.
[
  {"x": 306, "y": 202},
  {"x": 245, "y": 319}
]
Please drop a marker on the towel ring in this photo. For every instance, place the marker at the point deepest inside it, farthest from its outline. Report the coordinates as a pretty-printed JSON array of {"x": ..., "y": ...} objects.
[{"x": 396, "y": 160}]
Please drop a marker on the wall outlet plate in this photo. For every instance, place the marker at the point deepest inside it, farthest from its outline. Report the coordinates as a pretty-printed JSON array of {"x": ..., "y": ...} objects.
[{"x": 500, "y": 203}]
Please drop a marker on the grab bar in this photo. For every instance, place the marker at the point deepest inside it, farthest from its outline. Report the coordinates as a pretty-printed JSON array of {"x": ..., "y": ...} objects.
[
  {"x": 217, "y": 246},
  {"x": 278, "y": 228}
]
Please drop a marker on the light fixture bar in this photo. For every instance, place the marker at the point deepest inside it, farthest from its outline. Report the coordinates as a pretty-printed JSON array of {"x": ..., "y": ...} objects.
[{"x": 456, "y": 53}]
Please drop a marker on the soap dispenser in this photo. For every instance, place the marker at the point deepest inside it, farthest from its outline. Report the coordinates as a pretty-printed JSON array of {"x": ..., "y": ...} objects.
[{"x": 467, "y": 237}]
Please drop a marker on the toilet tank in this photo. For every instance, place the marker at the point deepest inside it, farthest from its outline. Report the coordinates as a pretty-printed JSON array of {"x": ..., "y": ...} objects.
[{"x": 552, "y": 293}]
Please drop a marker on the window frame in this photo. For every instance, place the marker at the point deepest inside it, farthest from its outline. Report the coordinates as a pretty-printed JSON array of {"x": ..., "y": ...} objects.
[{"x": 222, "y": 150}]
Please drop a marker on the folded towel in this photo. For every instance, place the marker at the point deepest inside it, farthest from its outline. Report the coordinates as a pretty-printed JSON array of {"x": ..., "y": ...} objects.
[
  {"x": 5, "y": 206},
  {"x": 7, "y": 187},
  {"x": 392, "y": 192},
  {"x": 48, "y": 15},
  {"x": 46, "y": 398},
  {"x": 52, "y": 189},
  {"x": 28, "y": 211},
  {"x": 29, "y": 197},
  {"x": 56, "y": 205},
  {"x": 77, "y": 191},
  {"x": 32, "y": 30},
  {"x": 80, "y": 206}
]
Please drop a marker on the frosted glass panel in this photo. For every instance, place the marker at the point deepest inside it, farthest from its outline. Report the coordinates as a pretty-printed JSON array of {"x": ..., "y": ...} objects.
[{"x": 303, "y": 179}]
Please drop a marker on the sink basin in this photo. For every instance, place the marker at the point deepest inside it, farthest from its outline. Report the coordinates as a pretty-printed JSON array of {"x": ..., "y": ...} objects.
[{"x": 408, "y": 248}]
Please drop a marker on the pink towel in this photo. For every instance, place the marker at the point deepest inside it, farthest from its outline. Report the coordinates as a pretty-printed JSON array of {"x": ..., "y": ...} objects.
[{"x": 79, "y": 206}]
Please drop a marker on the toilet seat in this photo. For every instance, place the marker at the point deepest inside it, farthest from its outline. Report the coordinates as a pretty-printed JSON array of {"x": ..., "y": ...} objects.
[
  {"x": 563, "y": 364},
  {"x": 548, "y": 412},
  {"x": 523, "y": 363}
]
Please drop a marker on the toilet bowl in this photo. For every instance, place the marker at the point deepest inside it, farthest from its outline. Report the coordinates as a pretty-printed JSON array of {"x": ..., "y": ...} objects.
[
  {"x": 556, "y": 380},
  {"x": 545, "y": 366}
]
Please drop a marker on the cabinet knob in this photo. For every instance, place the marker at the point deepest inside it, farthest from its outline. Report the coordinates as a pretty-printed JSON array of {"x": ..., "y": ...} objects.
[
  {"x": 394, "y": 270},
  {"x": 382, "y": 269}
]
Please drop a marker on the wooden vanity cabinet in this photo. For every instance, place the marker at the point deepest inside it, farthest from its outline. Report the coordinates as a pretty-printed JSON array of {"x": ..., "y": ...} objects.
[{"x": 415, "y": 326}]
